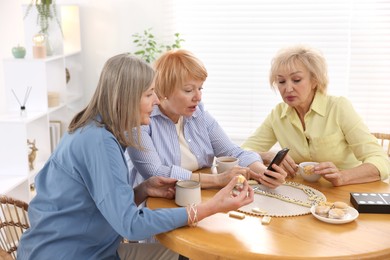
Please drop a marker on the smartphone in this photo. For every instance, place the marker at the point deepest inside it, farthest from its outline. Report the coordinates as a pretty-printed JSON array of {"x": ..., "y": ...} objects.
[{"x": 277, "y": 160}]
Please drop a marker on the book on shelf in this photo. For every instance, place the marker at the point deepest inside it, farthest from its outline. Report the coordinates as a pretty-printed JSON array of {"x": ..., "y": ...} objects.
[{"x": 55, "y": 134}]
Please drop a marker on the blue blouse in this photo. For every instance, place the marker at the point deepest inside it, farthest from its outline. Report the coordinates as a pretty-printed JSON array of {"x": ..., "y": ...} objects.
[{"x": 85, "y": 203}]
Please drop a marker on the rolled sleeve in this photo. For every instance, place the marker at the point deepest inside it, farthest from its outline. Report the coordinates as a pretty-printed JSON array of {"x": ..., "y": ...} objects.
[
  {"x": 381, "y": 164},
  {"x": 180, "y": 173}
]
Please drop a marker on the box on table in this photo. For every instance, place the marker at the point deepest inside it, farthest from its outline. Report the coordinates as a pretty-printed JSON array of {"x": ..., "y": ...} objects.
[{"x": 371, "y": 202}]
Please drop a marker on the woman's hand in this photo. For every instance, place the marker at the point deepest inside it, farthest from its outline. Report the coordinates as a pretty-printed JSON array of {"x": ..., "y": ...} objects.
[
  {"x": 288, "y": 164},
  {"x": 365, "y": 172},
  {"x": 224, "y": 200},
  {"x": 158, "y": 186},
  {"x": 155, "y": 186},
  {"x": 330, "y": 172},
  {"x": 274, "y": 178},
  {"x": 258, "y": 171},
  {"x": 224, "y": 178}
]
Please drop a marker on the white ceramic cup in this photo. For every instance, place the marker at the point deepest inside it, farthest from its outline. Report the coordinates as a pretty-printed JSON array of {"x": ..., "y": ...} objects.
[
  {"x": 225, "y": 163},
  {"x": 307, "y": 174},
  {"x": 187, "y": 192}
]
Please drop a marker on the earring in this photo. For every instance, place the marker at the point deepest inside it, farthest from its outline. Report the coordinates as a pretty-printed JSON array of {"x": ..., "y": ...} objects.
[{"x": 165, "y": 98}]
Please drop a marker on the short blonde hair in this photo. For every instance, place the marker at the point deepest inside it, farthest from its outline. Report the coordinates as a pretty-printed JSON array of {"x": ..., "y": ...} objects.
[
  {"x": 116, "y": 100},
  {"x": 311, "y": 59},
  {"x": 173, "y": 68}
]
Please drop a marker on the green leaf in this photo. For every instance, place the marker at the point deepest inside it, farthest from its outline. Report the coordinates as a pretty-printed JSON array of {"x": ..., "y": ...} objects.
[{"x": 149, "y": 47}]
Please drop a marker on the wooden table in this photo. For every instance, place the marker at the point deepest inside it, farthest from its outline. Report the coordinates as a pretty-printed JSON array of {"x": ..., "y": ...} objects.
[{"x": 301, "y": 237}]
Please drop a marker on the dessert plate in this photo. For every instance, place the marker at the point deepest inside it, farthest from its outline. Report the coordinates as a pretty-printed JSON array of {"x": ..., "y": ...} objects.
[{"x": 349, "y": 216}]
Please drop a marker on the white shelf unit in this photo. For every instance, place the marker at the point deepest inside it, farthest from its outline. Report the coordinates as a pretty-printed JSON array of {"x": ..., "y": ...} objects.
[
  {"x": 43, "y": 76},
  {"x": 14, "y": 153}
]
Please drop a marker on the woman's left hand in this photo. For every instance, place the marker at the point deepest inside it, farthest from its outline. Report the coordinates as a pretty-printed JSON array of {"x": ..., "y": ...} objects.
[{"x": 330, "y": 172}]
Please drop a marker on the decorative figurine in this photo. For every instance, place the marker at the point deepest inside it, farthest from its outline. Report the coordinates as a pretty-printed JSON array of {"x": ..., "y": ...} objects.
[
  {"x": 32, "y": 154},
  {"x": 18, "y": 52},
  {"x": 67, "y": 75}
]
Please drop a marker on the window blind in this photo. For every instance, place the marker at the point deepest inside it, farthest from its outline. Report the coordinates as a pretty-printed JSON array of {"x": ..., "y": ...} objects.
[{"x": 236, "y": 40}]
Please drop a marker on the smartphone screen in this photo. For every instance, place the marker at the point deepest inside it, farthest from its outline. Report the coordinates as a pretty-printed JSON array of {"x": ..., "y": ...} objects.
[{"x": 277, "y": 160}]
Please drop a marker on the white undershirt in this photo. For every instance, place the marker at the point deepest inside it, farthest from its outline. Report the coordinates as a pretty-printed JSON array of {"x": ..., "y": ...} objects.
[{"x": 188, "y": 159}]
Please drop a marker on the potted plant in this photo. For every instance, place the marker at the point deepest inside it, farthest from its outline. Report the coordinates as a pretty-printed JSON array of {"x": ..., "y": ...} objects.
[
  {"x": 149, "y": 48},
  {"x": 46, "y": 11}
]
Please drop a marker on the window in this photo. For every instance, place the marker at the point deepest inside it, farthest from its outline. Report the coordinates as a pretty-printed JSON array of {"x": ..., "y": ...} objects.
[{"x": 237, "y": 40}]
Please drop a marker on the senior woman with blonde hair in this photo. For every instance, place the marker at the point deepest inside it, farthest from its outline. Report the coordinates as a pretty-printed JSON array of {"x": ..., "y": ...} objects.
[{"x": 316, "y": 126}]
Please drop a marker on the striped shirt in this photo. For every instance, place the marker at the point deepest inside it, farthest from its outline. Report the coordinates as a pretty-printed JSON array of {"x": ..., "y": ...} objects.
[{"x": 161, "y": 155}]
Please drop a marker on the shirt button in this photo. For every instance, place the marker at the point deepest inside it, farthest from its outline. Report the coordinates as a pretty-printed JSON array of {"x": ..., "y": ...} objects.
[{"x": 189, "y": 140}]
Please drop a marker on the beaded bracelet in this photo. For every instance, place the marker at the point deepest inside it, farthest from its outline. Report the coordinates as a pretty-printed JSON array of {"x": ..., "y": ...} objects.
[{"x": 192, "y": 210}]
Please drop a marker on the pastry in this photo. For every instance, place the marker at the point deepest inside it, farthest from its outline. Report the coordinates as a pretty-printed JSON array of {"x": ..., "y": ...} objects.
[
  {"x": 336, "y": 213},
  {"x": 240, "y": 179},
  {"x": 322, "y": 210},
  {"x": 238, "y": 187},
  {"x": 308, "y": 169},
  {"x": 340, "y": 205}
]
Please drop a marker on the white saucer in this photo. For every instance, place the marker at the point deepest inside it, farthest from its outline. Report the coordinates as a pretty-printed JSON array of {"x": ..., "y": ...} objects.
[{"x": 349, "y": 216}]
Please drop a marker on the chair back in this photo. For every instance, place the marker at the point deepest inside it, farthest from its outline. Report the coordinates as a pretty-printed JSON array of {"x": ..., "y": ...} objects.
[
  {"x": 384, "y": 140},
  {"x": 5, "y": 256},
  {"x": 13, "y": 222}
]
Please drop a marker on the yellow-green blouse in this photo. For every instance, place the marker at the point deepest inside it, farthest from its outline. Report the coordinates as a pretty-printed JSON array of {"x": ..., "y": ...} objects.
[{"x": 334, "y": 132}]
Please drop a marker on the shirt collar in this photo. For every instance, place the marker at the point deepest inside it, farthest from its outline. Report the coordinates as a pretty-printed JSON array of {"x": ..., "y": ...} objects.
[{"x": 317, "y": 106}]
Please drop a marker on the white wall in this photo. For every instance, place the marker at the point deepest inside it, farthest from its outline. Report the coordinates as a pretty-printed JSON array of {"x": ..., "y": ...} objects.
[
  {"x": 11, "y": 33},
  {"x": 106, "y": 29}
]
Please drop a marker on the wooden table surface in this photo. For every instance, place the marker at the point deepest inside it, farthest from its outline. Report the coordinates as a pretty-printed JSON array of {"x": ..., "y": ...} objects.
[{"x": 300, "y": 237}]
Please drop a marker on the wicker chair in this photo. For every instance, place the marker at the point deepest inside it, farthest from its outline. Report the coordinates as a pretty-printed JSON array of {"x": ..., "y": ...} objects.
[
  {"x": 384, "y": 140},
  {"x": 13, "y": 222},
  {"x": 5, "y": 256}
]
